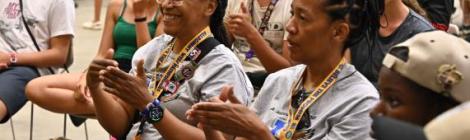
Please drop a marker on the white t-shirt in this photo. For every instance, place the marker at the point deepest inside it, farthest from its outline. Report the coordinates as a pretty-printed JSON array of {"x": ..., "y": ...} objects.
[
  {"x": 46, "y": 19},
  {"x": 218, "y": 68},
  {"x": 342, "y": 113},
  {"x": 274, "y": 35}
]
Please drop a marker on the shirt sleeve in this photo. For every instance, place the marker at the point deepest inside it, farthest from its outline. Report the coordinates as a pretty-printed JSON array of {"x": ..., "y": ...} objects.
[
  {"x": 226, "y": 74},
  {"x": 61, "y": 18},
  {"x": 265, "y": 96}
]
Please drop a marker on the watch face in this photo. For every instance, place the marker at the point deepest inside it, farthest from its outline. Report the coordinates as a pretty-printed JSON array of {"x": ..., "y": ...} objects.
[{"x": 155, "y": 114}]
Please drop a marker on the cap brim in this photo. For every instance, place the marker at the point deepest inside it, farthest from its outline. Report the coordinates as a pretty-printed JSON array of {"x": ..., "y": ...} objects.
[{"x": 391, "y": 129}]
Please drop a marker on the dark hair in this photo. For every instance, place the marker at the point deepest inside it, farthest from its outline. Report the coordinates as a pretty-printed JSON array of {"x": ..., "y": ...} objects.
[
  {"x": 217, "y": 23},
  {"x": 363, "y": 17}
]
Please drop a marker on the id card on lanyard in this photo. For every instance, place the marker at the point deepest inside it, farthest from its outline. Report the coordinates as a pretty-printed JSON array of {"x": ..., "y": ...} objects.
[{"x": 294, "y": 117}]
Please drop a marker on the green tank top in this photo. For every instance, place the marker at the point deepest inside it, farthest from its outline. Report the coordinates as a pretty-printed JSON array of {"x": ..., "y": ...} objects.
[{"x": 125, "y": 37}]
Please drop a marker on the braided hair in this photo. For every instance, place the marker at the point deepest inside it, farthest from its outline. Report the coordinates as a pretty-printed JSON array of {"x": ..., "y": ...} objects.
[
  {"x": 217, "y": 23},
  {"x": 363, "y": 17}
]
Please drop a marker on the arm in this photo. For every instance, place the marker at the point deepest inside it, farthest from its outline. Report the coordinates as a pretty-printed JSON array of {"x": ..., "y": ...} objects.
[
  {"x": 107, "y": 41},
  {"x": 141, "y": 28},
  {"x": 60, "y": 20},
  {"x": 270, "y": 59},
  {"x": 113, "y": 114},
  {"x": 54, "y": 56},
  {"x": 136, "y": 95},
  {"x": 170, "y": 127},
  {"x": 240, "y": 25}
]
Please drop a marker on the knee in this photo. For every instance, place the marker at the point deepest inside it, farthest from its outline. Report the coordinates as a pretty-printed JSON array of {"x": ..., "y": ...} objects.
[
  {"x": 34, "y": 88},
  {"x": 3, "y": 111}
]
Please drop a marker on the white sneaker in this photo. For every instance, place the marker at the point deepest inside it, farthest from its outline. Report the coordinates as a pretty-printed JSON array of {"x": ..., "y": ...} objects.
[{"x": 92, "y": 25}]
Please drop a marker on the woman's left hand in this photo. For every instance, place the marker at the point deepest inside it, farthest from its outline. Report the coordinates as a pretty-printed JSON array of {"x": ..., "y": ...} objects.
[
  {"x": 231, "y": 118},
  {"x": 131, "y": 89}
]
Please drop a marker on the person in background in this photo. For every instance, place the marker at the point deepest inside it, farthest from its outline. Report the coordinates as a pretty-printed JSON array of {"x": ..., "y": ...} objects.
[
  {"x": 321, "y": 98},
  {"x": 34, "y": 40},
  {"x": 187, "y": 65},
  {"x": 415, "y": 6},
  {"x": 423, "y": 77},
  {"x": 257, "y": 28},
  {"x": 439, "y": 12},
  {"x": 95, "y": 24},
  {"x": 129, "y": 25},
  {"x": 397, "y": 24},
  {"x": 465, "y": 30}
]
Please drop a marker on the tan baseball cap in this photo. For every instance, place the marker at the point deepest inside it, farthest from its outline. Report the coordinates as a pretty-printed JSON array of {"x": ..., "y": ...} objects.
[
  {"x": 435, "y": 60},
  {"x": 451, "y": 125}
]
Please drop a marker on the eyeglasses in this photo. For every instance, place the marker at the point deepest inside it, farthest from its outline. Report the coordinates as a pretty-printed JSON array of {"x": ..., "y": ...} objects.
[{"x": 172, "y": 2}]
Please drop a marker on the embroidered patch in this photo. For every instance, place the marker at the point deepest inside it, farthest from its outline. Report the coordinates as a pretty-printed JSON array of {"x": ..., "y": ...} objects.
[
  {"x": 448, "y": 76},
  {"x": 171, "y": 86},
  {"x": 194, "y": 54}
]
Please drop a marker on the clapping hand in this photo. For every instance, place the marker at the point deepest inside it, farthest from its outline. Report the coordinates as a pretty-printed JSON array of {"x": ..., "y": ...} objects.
[{"x": 131, "y": 89}]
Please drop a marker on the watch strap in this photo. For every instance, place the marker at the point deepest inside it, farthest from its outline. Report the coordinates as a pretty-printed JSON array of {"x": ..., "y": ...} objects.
[
  {"x": 153, "y": 113},
  {"x": 140, "y": 19}
]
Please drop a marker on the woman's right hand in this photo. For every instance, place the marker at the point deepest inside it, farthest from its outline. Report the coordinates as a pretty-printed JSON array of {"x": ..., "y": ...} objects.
[
  {"x": 230, "y": 117},
  {"x": 139, "y": 8},
  {"x": 98, "y": 64}
]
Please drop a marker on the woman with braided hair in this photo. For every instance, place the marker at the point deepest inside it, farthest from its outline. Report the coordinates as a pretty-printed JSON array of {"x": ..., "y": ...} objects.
[
  {"x": 321, "y": 98},
  {"x": 187, "y": 65}
]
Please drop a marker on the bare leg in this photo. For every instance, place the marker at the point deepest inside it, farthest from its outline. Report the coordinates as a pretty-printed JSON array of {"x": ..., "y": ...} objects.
[
  {"x": 97, "y": 13},
  {"x": 3, "y": 110},
  {"x": 56, "y": 93},
  {"x": 466, "y": 12}
]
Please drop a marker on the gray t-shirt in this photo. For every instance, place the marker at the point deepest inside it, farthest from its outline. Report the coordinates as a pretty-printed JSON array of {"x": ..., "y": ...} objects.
[
  {"x": 341, "y": 113},
  {"x": 368, "y": 59},
  {"x": 218, "y": 68}
]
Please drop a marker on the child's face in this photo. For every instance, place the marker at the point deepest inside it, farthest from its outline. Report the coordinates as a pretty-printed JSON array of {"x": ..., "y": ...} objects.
[{"x": 401, "y": 99}]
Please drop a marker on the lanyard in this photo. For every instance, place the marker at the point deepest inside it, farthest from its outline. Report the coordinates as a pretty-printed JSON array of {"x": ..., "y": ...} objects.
[
  {"x": 294, "y": 117},
  {"x": 264, "y": 22},
  {"x": 156, "y": 88},
  {"x": 267, "y": 15}
]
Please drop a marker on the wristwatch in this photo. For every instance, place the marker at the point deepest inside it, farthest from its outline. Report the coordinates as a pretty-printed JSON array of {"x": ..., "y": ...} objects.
[
  {"x": 13, "y": 58},
  {"x": 154, "y": 112}
]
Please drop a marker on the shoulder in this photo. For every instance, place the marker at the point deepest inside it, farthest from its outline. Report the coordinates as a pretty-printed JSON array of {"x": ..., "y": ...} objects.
[
  {"x": 220, "y": 55},
  {"x": 288, "y": 73},
  {"x": 116, "y": 3},
  {"x": 417, "y": 22},
  {"x": 354, "y": 84},
  {"x": 283, "y": 78},
  {"x": 155, "y": 45},
  {"x": 67, "y": 2},
  {"x": 114, "y": 7},
  {"x": 286, "y": 3},
  {"x": 67, "y": 5}
]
